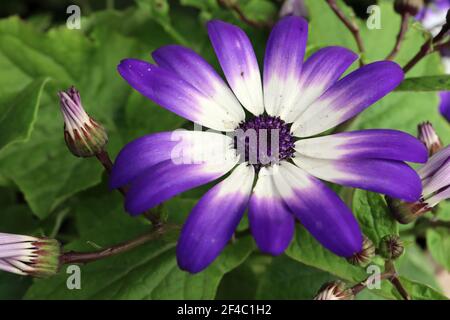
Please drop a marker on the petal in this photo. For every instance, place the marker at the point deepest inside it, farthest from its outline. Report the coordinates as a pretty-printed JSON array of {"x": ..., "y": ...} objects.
[
  {"x": 167, "y": 89},
  {"x": 186, "y": 146},
  {"x": 439, "y": 180},
  {"x": 168, "y": 178},
  {"x": 192, "y": 68},
  {"x": 438, "y": 197},
  {"x": 319, "y": 209},
  {"x": 348, "y": 97},
  {"x": 434, "y": 163},
  {"x": 5, "y": 266},
  {"x": 372, "y": 143},
  {"x": 444, "y": 106},
  {"x": 283, "y": 63},
  {"x": 271, "y": 222},
  {"x": 213, "y": 220},
  {"x": 393, "y": 178},
  {"x": 319, "y": 72},
  {"x": 238, "y": 62}
]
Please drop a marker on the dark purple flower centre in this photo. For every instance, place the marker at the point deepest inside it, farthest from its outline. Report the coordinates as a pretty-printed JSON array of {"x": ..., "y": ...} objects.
[{"x": 264, "y": 140}]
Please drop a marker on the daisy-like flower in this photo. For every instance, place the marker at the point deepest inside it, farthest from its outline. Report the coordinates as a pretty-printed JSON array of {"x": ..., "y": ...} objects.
[
  {"x": 27, "y": 255},
  {"x": 435, "y": 175},
  {"x": 296, "y": 100}
]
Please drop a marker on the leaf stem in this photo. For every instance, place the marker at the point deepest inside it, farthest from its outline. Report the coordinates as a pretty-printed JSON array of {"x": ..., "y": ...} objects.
[
  {"x": 351, "y": 25},
  {"x": 400, "y": 36},
  {"x": 427, "y": 48},
  {"x": 85, "y": 257},
  {"x": 107, "y": 163},
  {"x": 357, "y": 288},
  {"x": 234, "y": 6},
  {"x": 389, "y": 266}
]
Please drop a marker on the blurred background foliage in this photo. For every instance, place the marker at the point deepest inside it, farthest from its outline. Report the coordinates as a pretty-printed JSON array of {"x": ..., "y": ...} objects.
[{"x": 46, "y": 191}]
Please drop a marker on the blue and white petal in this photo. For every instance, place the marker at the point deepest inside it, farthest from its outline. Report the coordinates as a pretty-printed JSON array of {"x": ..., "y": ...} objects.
[
  {"x": 283, "y": 64},
  {"x": 439, "y": 180},
  {"x": 188, "y": 168},
  {"x": 271, "y": 222},
  {"x": 319, "y": 72},
  {"x": 214, "y": 219},
  {"x": 167, "y": 89},
  {"x": 182, "y": 146},
  {"x": 319, "y": 209},
  {"x": 238, "y": 61},
  {"x": 393, "y": 178},
  {"x": 434, "y": 163},
  {"x": 348, "y": 97},
  {"x": 192, "y": 68},
  {"x": 372, "y": 143},
  {"x": 438, "y": 197}
]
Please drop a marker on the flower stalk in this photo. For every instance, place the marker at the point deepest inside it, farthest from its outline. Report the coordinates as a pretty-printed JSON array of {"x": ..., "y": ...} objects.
[
  {"x": 85, "y": 257},
  {"x": 351, "y": 26},
  {"x": 400, "y": 36},
  {"x": 430, "y": 46}
]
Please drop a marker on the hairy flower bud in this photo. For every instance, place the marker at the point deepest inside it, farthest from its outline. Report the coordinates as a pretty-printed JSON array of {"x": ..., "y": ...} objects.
[
  {"x": 335, "y": 290},
  {"x": 391, "y": 247},
  {"x": 84, "y": 136},
  {"x": 406, "y": 212},
  {"x": 27, "y": 255},
  {"x": 429, "y": 137},
  {"x": 366, "y": 254},
  {"x": 411, "y": 7}
]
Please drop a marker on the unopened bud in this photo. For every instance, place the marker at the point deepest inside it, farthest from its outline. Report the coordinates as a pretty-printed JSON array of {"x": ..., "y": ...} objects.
[
  {"x": 391, "y": 247},
  {"x": 406, "y": 212},
  {"x": 84, "y": 136},
  {"x": 429, "y": 137},
  {"x": 411, "y": 7},
  {"x": 335, "y": 290},
  {"x": 25, "y": 255},
  {"x": 366, "y": 254},
  {"x": 293, "y": 8}
]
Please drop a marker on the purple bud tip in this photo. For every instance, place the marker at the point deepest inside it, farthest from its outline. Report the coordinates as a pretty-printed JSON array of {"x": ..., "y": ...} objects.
[
  {"x": 84, "y": 136},
  {"x": 429, "y": 137}
]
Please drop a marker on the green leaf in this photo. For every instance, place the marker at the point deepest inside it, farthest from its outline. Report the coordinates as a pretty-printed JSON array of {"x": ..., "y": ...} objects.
[
  {"x": 147, "y": 272},
  {"x": 89, "y": 62},
  {"x": 305, "y": 249},
  {"x": 373, "y": 215},
  {"x": 416, "y": 266},
  {"x": 430, "y": 83},
  {"x": 438, "y": 242},
  {"x": 18, "y": 116},
  {"x": 289, "y": 279},
  {"x": 416, "y": 290}
]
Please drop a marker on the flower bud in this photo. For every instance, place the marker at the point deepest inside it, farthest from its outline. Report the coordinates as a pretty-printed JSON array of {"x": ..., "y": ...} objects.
[
  {"x": 411, "y": 7},
  {"x": 366, "y": 254},
  {"x": 84, "y": 136},
  {"x": 335, "y": 290},
  {"x": 406, "y": 212},
  {"x": 25, "y": 255},
  {"x": 391, "y": 247},
  {"x": 429, "y": 137},
  {"x": 293, "y": 8}
]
